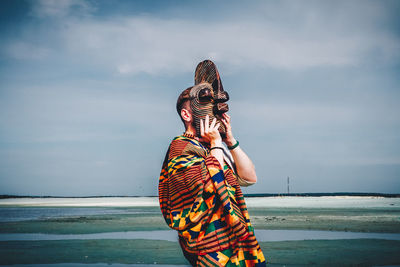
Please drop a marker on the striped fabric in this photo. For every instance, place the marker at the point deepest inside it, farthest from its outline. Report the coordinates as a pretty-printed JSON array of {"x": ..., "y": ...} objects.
[{"x": 205, "y": 204}]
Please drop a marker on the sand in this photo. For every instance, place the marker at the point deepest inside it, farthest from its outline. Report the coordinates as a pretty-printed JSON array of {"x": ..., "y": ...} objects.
[
  {"x": 82, "y": 202},
  {"x": 102, "y": 217},
  {"x": 265, "y": 202}
]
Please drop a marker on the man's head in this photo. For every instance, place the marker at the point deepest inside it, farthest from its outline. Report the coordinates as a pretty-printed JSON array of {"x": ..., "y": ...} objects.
[
  {"x": 183, "y": 107},
  {"x": 207, "y": 97},
  {"x": 196, "y": 102}
]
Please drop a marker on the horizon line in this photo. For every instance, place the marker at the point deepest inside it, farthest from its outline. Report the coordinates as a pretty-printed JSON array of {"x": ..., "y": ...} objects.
[{"x": 5, "y": 196}]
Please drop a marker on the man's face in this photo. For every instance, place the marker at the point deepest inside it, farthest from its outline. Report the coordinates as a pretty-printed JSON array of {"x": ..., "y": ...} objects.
[{"x": 204, "y": 100}]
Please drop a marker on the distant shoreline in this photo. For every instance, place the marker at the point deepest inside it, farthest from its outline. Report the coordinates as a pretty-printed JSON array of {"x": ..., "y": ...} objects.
[
  {"x": 277, "y": 201},
  {"x": 352, "y": 194}
]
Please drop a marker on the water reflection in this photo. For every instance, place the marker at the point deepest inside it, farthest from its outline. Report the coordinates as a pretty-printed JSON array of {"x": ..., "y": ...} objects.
[
  {"x": 15, "y": 214},
  {"x": 170, "y": 235}
]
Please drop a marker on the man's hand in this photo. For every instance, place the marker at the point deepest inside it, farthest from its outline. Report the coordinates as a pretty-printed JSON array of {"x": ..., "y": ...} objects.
[
  {"x": 209, "y": 132},
  {"x": 226, "y": 120}
]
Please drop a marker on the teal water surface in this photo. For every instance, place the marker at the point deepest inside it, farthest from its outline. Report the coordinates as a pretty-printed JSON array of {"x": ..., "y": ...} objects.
[{"x": 138, "y": 236}]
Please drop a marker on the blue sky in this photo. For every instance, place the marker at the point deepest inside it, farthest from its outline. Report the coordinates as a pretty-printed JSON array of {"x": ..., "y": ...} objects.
[{"x": 88, "y": 91}]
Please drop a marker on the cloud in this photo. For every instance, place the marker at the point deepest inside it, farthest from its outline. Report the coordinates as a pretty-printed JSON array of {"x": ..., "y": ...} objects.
[
  {"x": 61, "y": 8},
  {"x": 139, "y": 44},
  {"x": 65, "y": 114},
  {"x": 22, "y": 50},
  {"x": 87, "y": 93},
  {"x": 300, "y": 114},
  {"x": 155, "y": 45}
]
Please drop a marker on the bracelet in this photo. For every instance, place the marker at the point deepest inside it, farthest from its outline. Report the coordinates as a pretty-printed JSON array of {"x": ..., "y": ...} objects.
[
  {"x": 234, "y": 146},
  {"x": 216, "y": 147}
]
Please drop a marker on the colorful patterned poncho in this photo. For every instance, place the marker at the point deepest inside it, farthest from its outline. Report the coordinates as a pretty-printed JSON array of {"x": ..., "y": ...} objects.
[{"x": 205, "y": 204}]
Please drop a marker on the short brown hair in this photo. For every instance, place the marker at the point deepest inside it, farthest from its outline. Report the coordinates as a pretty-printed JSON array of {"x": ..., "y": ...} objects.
[{"x": 183, "y": 97}]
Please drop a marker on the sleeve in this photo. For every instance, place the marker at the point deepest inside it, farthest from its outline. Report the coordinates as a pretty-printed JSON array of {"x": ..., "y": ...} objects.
[{"x": 243, "y": 182}]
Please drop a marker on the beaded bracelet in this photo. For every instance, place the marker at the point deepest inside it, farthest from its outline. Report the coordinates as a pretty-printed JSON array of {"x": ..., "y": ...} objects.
[{"x": 234, "y": 146}]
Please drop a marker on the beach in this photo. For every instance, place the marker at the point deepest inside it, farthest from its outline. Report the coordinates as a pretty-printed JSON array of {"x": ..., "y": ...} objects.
[
  {"x": 334, "y": 230},
  {"x": 263, "y": 202}
]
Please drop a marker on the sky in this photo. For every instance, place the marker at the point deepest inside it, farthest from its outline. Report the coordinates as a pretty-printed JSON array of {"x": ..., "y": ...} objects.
[{"x": 88, "y": 91}]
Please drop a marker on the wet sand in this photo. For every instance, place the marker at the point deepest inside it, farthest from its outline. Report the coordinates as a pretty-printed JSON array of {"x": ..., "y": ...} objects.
[
  {"x": 366, "y": 252},
  {"x": 380, "y": 220},
  {"x": 171, "y": 235},
  {"x": 104, "y": 216}
]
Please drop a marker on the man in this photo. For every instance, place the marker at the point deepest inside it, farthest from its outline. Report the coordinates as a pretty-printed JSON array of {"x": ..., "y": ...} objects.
[{"x": 199, "y": 187}]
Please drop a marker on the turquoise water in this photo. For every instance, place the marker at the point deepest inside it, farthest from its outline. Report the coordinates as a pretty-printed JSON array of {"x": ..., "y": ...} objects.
[
  {"x": 96, "y": 265},
  {"x": 171, "y": 235},
  {"x": 138, "y": 236},
  {"x": 57, "y": 214},
  {"x": 13, "y": 214}
]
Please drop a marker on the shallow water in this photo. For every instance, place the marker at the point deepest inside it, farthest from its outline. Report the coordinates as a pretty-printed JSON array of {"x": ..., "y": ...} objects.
[
  {"x": 291, "y": 235},
  {"x": 103, "y": 235},
  {"x": 15, "y": 214},
  {"x": 95, "y": 265},
  {"x": 170, "y": 235}
]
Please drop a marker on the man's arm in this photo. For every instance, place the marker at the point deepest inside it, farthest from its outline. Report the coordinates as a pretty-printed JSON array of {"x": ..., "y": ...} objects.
[{"x": 244, "y": 166}]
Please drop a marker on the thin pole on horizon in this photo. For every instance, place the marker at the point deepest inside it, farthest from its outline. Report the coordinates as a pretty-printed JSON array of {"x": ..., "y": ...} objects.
[{"x": 288, "y": 191}]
